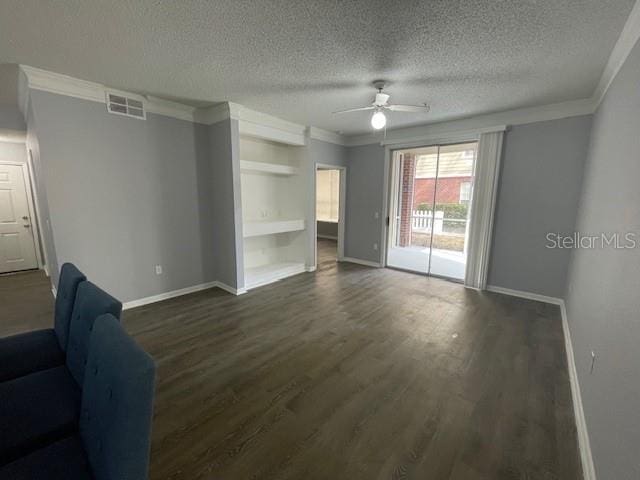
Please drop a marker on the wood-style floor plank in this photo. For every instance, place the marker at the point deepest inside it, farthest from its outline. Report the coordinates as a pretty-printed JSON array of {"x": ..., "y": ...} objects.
[{"x": 355, "y": 373}]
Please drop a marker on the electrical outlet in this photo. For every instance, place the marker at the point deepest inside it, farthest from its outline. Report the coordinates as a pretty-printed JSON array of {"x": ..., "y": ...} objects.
[
  {"x": 593, "y": 360},
  {"x": 375, "y": 247},
  {"x": 158, "y": 269},
  {"x": 376, "y": 215}
]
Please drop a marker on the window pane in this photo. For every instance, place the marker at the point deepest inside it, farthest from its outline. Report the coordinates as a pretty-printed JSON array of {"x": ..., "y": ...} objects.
[{"x": 327, "y": 195}]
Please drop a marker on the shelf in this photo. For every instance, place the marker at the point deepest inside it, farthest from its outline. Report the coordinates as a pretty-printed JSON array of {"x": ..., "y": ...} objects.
[
  {"x": 256, "y": 229},
  {"x": 264, "y": 167},
  {"x": 258, "y": 276}
]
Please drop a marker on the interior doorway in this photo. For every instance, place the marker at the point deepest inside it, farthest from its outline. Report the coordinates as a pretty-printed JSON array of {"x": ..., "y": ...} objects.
[
  {"x": 330, "y": 185},
  {"x": 17, "y": 226},
  {"x": 431, "y": 193}
]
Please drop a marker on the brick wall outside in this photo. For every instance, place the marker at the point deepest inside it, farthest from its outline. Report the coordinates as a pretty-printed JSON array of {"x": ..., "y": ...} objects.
[
  {"x": 407, "y": 171},
  {"x": 448, "y": 190}
]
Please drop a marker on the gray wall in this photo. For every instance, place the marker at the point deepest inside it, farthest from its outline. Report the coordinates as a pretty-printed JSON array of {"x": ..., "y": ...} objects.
[
  {"x": 11, "y": 118},
  {"x": 327, "y": 153},
  {"x": 44, "y": 217},
  {"x": 122, "y": 195},
  {"x": 220, "y": 184},
  {"x": 603, "y": 303},
  {"x": 542, "y": 166},
  {"x": 365, "y": 187},
  {"x": 540, "y": 182},
  {"x": 327, "y": 229}
]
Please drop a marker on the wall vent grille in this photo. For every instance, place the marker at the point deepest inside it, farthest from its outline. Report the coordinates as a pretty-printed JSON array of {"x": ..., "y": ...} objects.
[{"x": 122, "y": 105}]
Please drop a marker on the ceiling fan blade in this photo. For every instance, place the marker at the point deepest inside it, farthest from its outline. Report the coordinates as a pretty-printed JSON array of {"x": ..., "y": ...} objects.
[
  {"x": 409, "y": 108},
  {"x": 371, "y": 107}
]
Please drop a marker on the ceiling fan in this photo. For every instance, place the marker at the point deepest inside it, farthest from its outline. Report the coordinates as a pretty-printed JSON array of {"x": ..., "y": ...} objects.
[{"x": 381, "y": 103}]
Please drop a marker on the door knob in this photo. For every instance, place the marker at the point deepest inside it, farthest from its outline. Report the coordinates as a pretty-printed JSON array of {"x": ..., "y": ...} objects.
[
  {"x": 26, "y": 226},
  {"x": 25, "y": 218}
]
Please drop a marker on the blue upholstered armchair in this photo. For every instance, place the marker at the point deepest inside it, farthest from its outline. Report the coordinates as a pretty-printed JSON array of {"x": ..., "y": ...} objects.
[
  {"x": 112, "y": 442},
  {"x": 42, "y": 349},
  {"x": 43, "y": 407}
]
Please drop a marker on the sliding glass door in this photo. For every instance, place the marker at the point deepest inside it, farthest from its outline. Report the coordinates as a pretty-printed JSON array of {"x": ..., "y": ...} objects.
[{"x": 431, "y": 201}]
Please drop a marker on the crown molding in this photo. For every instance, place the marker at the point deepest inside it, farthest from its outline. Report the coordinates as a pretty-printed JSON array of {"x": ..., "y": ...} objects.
[
  {"x": 247, "y": 115},
  {"x": 267, "y": 127},
  {"x": 39, "y": 79},
  {"x": 160, "y": 106},
  {"x": 214, "y": 114},
  {"x": 444, "y": 137},
  {"x": 271, "y": 133},
  {"x": 46, "y": 81},
  {"x": 326, "y": 136},
  {"x": 626, "y": 41},
  {"x": 479, "y": 123}
]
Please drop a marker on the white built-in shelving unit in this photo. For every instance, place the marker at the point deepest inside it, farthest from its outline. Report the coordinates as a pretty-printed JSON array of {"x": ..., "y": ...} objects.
[{"x": 274, "y": 201}]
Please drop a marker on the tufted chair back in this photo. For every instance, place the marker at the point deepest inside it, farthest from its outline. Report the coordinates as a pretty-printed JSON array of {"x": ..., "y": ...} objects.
[
  {"x": 91, "y": 302},
  {"x": 70, "y": 278},
  {"x": 117, "y": 404}
]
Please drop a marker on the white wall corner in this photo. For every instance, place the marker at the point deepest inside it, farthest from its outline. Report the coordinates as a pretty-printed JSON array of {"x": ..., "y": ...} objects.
[
  {"x": 230, "y": 289},
  {"x": 626, "y": 41},
  {"x": 327, "y": 136}
]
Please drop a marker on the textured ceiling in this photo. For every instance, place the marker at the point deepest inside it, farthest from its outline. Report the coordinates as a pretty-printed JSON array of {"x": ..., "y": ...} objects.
[{"x": 300, "y": 60}]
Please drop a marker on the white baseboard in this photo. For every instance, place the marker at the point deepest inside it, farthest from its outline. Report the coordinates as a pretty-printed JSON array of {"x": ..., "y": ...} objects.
[
  {"x": 328, "y": 237},
  {"x": 588, "y": 469},
  {"x": 584, "y": 445},
  {"x": 366, "y": 263},
  {"x": 178, "y": 293},
  {"x": 227, "y": 288},
  {"x": 527, "y": 295},
  {"x": 310, "y": 268},
  {"x": 54, "y": 291}
]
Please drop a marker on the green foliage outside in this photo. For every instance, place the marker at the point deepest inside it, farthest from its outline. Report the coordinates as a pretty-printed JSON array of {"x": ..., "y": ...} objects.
[{"x": 451, "y": 210}]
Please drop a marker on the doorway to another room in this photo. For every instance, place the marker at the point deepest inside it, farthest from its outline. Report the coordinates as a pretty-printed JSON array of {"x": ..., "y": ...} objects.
[
  {"x": 330, "y": 185},
  {"x": 431, "y": 194}
]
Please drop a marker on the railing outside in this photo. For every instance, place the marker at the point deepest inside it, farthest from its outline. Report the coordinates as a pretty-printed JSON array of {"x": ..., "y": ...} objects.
[{"x": 423, "y": 221}]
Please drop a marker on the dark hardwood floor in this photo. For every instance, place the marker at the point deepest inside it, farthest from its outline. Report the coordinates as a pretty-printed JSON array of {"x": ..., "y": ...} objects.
[
  {"x": 26, "y": 302},
  {"x": 357, "y": 373}
]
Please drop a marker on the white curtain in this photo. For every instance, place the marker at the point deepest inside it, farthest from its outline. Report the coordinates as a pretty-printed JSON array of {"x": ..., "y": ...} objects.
[{"x": 485, "y": 189}]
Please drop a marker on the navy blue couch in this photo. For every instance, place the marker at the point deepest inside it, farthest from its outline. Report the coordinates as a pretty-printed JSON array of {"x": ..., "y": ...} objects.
[
  {"x": 112, "y": 441},
  {"x": 42, "y": 407},
  {"x": 42, "y": 349}
]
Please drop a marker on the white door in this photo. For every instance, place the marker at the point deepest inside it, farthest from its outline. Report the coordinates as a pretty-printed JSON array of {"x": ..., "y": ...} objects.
[{"x": 17, "y": 245}]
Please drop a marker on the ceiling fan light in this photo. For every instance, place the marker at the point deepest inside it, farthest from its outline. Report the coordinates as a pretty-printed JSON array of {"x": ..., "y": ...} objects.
[{"x": 378, "y": 120}]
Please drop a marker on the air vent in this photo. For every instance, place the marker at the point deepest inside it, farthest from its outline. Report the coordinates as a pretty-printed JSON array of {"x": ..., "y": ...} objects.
[{"x": 123, "y": 105}]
